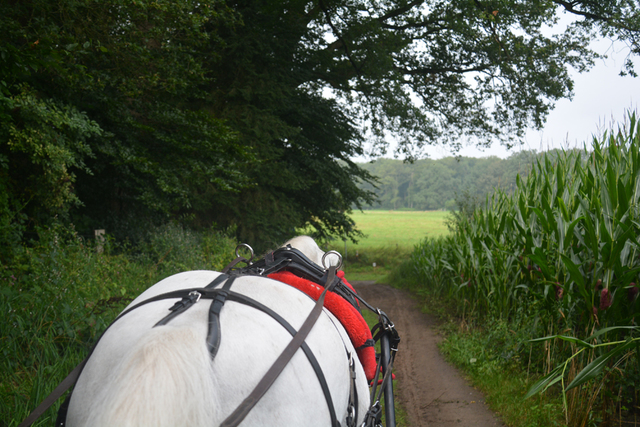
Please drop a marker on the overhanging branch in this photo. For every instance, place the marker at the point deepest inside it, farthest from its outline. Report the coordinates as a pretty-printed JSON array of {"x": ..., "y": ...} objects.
[
  {"x": 440, "y": 70},
  {"x": 343, "y": 42},
  {"x": 570, "y": 7}
]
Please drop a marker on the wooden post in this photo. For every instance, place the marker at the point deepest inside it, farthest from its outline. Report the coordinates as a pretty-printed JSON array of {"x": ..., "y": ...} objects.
[{"x": 99, "y": 234}]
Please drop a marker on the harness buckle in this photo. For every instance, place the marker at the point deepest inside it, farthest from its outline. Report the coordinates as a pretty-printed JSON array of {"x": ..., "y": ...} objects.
[
  {"x": 332, "y": 252},
  {"x": 244, "y": 245},
  {"x": 352, "y": 369},
  {"x": 196, "y": 295},
  {"x": 373, "y": 417}
]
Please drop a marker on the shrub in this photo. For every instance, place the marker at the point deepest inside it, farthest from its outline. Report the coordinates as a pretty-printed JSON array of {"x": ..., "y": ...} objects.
[{"x": 61, "y": 293}]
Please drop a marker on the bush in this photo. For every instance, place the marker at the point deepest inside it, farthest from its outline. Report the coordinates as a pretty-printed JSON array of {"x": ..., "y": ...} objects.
[{"x": 62, "y": 292}]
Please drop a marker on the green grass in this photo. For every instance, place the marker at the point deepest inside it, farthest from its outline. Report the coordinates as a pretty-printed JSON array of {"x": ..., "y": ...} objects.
[
  {"x": 483, "y": 354},
  {"x": 401, "y": 228},
  {"x": 389, "y": 239},
  {"x": 503, "y": 382}
]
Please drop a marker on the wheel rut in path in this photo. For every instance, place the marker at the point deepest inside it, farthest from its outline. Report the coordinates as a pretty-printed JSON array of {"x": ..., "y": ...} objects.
[{"x": 432, "y": 392}]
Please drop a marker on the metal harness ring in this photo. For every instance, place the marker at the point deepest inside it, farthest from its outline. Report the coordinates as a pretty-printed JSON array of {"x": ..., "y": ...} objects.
[
  {"x": 241, "y": 245},
  {"x": 332, "y": 252}
]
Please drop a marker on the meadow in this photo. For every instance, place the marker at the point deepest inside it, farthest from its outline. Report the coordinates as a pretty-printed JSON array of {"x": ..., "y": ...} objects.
[
  {"x": 402, "y": 228},
  {"x": 389, "y": 239}
]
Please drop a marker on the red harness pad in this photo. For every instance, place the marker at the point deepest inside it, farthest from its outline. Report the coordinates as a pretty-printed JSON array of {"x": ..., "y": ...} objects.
[{"x": 351, "y": 319}]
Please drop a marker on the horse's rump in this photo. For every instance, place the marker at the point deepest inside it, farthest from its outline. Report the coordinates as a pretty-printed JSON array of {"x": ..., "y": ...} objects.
[{"x": 141, "y": 375}]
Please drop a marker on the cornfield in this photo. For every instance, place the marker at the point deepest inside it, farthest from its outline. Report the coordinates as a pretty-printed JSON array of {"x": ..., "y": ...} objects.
[{"x": 561, "y": 255}]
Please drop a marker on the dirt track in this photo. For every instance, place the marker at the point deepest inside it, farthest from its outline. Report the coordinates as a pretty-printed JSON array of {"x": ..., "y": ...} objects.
[{"x": 431, "y": 391}]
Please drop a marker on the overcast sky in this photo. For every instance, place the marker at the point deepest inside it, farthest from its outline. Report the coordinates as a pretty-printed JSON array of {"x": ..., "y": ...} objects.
[{"x": 600, "y": 96}]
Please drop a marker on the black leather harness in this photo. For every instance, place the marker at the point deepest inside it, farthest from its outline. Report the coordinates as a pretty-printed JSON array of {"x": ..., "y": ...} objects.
[{"x": 219, "y": 297}]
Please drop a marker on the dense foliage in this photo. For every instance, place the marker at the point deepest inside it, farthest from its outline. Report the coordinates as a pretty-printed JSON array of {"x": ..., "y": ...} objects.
[
  {"x": 559, "y": 259},
  {"x": 436, "y": 184},
  {"x": 63, "y": 293},
  {"x": 112, "y": 118},
  {"x": 117, "y": 114}
]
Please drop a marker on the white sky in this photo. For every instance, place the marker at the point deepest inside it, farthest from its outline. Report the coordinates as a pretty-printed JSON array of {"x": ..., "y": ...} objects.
[{"x": 601, "y": 96}]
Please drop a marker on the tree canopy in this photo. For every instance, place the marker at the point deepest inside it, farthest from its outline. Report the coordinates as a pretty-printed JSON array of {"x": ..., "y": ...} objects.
[{"x": 116, "y": 114}]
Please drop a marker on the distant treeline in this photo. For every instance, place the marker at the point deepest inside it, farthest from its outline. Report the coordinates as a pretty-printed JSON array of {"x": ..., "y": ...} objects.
[{"x": 434, "y": 184}]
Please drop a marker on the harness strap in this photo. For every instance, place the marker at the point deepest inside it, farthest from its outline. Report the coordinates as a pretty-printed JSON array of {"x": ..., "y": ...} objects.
[
  {"x": 219, "y": 296},
  {"x": 215, "y": 282},
  {"x": 389, "y": 340},
  {"x": 281, "y": 362},
  {"x": 240, "y": 298},
  {"x": 180, "y": 307},
  {"x": 180, "y": 293},
  {"x": 207, "y": 293},
  {"x": 213, "y": 336},
  {"x": 236, "y": 261},
  {"x": 352, "y": 409}
]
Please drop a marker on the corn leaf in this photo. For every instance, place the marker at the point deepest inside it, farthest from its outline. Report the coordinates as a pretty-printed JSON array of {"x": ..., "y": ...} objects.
[
  {"x": 574, "y": 340},
  {"x": 594, "y": 368},
  {"x": 574, "y": 272},
  {"x": 612, "y": 328},
  {"x": 545, "y": 382}
]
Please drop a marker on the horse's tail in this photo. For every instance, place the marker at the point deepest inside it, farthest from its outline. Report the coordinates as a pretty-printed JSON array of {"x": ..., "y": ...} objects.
[{"x": 167, "y": 381}]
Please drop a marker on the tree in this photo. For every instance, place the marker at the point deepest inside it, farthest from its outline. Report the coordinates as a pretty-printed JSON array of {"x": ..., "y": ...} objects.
[
  {"x": 247, "y": 113},
  {"x": 183, "y": 128},
  {"x": 441, "y": 184},
  {"x": 482, "y": 70},
  {"x": 100, "y": 113},
  {"x": 303, "y": 141}
]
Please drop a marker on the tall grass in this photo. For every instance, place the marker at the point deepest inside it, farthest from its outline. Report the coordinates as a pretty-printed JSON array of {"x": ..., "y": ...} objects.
[
  {"x": 59, "y": 294},
  {"x": 559, "y": 258}
]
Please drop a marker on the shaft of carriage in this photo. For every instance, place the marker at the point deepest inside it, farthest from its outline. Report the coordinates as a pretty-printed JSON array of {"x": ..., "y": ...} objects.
[{"x": 385, "y": 354}]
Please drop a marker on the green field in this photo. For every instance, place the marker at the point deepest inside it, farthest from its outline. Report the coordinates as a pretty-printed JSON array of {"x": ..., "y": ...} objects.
[
  {"x": 402, "y": 228},
  {"x": 389, "y": 238}
]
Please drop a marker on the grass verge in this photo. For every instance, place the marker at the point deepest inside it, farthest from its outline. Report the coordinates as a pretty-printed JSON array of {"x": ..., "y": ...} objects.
[
  {"x": 485, "y": 355},
  {"x": 503, "y": 384},
  {"x": 372, "y": 262}
]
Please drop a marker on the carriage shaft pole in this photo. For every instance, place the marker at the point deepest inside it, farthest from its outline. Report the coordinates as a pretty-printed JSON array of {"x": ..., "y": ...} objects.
[{"x": 390, "y": 413}]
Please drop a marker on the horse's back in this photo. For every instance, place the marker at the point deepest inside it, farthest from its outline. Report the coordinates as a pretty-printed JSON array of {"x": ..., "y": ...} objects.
[{"x": 145, "y": 375}]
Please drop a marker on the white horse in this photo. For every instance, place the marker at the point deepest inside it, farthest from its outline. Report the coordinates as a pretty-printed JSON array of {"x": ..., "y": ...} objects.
[{"x": 141, "y": 375}]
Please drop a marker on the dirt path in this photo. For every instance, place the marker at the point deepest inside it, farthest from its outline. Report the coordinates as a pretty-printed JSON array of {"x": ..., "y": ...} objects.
[{"x": 431, "y": 391}]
